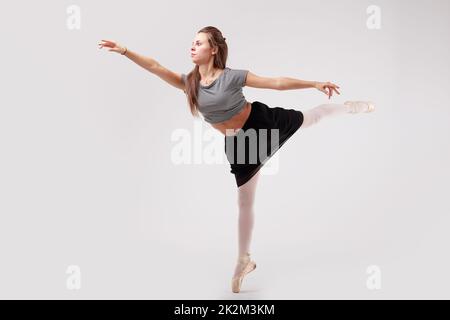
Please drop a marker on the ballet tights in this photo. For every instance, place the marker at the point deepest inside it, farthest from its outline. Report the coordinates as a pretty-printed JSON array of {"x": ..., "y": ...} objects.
[
  {"x": 314, "y": 115},
  {"x": 246, "y": 192},
  {"x": 246, "y": 200}
]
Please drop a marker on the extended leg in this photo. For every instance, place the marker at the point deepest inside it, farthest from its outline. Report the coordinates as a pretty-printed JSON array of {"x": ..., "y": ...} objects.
[{"x": 314, "y": 115}]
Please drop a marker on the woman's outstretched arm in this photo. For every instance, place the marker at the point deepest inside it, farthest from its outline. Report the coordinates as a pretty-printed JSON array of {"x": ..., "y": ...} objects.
[
  {"x": 286, "y": 83},
  {"x": 292, "y": 83},
  {"x": 277, "y": 83},
  {"x": 147, "y": 63}
]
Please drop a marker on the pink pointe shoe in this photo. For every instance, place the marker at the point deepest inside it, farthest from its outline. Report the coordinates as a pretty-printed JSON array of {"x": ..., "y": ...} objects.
[
  {"x": 360, "y": 106},
  {"x": 246, "y": 265}
]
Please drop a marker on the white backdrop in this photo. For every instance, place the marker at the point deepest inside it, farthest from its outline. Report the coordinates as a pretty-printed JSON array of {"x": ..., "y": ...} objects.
[{"x": 93, "y": 204}]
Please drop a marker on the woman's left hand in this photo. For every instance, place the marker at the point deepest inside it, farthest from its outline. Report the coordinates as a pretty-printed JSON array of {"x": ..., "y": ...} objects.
[{"x": 323, "y": 86}]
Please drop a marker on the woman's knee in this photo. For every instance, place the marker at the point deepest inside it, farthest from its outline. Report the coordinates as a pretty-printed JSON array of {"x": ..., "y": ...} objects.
[{"x": 310, "y": 117}]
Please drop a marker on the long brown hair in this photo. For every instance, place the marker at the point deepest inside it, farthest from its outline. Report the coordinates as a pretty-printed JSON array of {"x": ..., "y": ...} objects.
[{"x": 215, "y": 39}]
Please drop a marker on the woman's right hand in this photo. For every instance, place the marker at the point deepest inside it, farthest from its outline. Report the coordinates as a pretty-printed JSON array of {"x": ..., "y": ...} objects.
[{"x": 114, "y": 46}]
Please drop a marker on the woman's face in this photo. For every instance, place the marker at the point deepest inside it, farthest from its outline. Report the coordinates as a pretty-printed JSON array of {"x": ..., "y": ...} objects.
[{"x": 201, "y": 52}]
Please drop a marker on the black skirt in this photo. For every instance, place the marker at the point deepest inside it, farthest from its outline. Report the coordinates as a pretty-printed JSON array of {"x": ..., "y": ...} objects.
[{"x": 261, "y": 136}]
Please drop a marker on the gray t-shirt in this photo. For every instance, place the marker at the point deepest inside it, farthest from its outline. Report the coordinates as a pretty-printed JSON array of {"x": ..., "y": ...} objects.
[{"x": 222, "y": 98}]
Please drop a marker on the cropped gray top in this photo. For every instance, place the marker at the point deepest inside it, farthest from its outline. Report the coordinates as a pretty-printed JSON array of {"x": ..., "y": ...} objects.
[{"x": 222, "y": 98}]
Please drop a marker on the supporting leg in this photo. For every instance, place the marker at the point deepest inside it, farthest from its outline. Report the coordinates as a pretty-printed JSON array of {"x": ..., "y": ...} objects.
[{"x": 246, "y": 199}]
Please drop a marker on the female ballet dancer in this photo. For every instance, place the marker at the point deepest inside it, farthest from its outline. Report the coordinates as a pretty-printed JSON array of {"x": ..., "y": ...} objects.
[{"x": 216, "y": 91}]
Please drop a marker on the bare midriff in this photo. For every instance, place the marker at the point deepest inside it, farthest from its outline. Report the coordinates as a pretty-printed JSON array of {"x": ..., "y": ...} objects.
[{"x": 235, "y": 123}]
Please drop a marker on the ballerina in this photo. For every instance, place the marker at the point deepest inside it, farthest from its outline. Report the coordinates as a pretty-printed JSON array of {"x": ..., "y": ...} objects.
[{"x": 215, "y": 91}]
